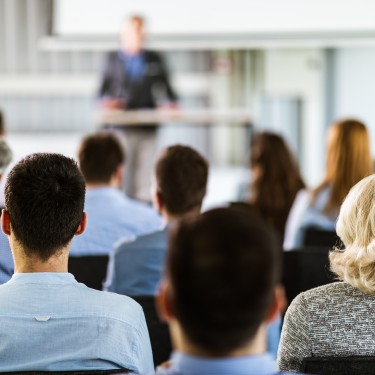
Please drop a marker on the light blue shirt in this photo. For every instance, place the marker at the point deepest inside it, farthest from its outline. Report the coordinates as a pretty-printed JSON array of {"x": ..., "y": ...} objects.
[
  {"x": 182, "y": 364},
  {"x": 112, "y": 216},
  {"x": 51, "y": 322},
  {"x": 6, "y": 259},
  {"x": 135, "y": 268},
  {"x": 305, "y": 214}
]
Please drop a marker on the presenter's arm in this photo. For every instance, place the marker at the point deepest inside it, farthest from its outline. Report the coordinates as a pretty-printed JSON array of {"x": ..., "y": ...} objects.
[{"x": 107, "y": 97}]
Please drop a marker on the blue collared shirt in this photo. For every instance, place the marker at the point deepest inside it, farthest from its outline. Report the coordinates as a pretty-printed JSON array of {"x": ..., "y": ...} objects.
[
  {"x": 6, "y": 259},
  {"x": 112, "y": 216},
  {"x": 51, "y": 322},
  {"x": 135, "y": 268},
  {"x": 182, "y": 364},
  {"x": 134, "y": 64}
]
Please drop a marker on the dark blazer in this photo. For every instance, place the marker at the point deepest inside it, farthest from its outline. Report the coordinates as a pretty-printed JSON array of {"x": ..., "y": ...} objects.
[{"x": 138, "y": 93}]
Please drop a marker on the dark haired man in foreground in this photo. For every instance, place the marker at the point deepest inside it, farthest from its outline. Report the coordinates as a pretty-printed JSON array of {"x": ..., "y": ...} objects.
[
  {"x": 48, "y": 320},
  {"x": 179, "y": 186},
  {"x": 220, "y": 290}
]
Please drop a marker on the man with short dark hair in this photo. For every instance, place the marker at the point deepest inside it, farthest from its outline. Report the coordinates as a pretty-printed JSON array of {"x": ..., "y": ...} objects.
[
  {"x": 179, "y": 186},
  {"x": 48, "y": 320},
  {"x": 113, "y": 215},
  {"x": 221, "y": 287}
]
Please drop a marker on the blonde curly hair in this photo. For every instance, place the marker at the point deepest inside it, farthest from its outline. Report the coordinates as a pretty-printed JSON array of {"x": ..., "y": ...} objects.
[{"x": 356, "y": 228}]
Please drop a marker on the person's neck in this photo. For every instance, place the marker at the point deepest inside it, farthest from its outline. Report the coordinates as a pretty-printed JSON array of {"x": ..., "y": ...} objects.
[
  {"x": 98, "y": 185},
  {"x": 257, "y": 346},
  {"x": 24, "y": 263},
  {"x": 168, "y": 217}
]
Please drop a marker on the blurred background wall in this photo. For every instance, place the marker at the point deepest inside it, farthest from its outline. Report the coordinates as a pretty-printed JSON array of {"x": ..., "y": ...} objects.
[{"x": 294, "y": 83}]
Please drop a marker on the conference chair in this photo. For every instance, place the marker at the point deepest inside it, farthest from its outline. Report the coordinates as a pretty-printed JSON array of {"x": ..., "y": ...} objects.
[
  {"x": 317, "y": 237},
  {"x": 89, "y": 270},
  {"x": 158, "y": 330},
  {"x": 304, "y": 269},
  {"x": 355, "y": 365}
]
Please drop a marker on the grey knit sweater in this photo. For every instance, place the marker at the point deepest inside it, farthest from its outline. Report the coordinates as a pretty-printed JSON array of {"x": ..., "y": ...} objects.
[{"x": 332, "y": 320}]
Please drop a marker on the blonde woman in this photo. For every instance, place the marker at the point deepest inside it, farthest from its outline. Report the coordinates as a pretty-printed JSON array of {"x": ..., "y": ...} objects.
[
  {"x": 348, "y": 161},
  {"x": 338, "y": 319}
]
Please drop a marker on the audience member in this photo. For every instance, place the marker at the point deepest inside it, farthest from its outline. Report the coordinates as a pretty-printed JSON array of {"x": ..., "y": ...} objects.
[
  {"x": 179, "y": 185},
  {"x": 276, "y": 179},
  {"x": 6, "y": 259},
  {"x": 112, "y": 214},
  {"x": 337, "y": 319},
  {"x": 48, "y": 320},
  {"x": 220, "y": 290},
  {"x": 348, "y": 161}
]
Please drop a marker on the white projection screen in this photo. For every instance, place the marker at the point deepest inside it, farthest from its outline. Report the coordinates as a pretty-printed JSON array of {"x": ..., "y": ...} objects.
[{"x": 212, "y": 17}]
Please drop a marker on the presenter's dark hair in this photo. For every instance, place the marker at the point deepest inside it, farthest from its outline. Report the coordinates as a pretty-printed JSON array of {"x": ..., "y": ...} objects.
[
  {"x": 44, "y": 196},
  {"x": 222, "y": 267},
  {"x": 181, "y": 176},
  {"x": 99, "y": 155}
]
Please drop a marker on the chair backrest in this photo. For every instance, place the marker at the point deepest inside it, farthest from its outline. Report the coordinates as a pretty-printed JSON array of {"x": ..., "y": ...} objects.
[
  {"x": 319, "y": 237},
  {"x": 355, "y": 365},
  {"x": 78, "y": 372},
  {"x": 304, "y": 269},
  {"x": 89, "y": 270},
  {"x": 158, "y": 330}
]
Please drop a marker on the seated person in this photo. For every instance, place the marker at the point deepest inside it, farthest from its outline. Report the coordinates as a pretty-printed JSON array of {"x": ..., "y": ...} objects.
[
  {"x": 337, "y": 319},
  {"x": 49, "y": 322},
  {"x": 112, "y": 214},
  {"x": 348, "y": 161},
  {"x": 221, "y": 287},
  {"x": 179, "y": 185},
  {"x": 6, "y": 260}
]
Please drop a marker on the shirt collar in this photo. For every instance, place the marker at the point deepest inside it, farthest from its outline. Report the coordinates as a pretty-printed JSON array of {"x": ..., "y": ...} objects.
[
  {"x": 43, "y": 277},
  {"x": 262, "y": 364}
]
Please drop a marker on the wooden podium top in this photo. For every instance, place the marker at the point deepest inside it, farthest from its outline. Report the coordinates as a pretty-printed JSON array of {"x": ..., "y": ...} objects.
[{"x": 201, "y": 116}]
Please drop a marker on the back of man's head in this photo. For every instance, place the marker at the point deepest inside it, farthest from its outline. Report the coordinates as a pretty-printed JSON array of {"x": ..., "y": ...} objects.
[
  {"x": 222, "y": 270},
  {"x": 99, "y": 155},
  {"x": 44, "y": 196},
  {"x": 181, "y": 178}
]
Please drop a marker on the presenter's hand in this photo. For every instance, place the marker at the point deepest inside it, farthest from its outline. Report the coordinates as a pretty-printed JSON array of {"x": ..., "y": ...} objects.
[{"x": 113, "y": 103}]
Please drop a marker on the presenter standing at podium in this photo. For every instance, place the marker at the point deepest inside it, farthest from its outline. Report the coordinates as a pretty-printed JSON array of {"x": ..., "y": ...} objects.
[{"x": 136, "y": 78}]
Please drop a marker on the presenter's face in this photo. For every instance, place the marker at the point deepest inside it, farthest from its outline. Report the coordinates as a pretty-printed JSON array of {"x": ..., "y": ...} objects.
[{"x": 132, "y": 36}]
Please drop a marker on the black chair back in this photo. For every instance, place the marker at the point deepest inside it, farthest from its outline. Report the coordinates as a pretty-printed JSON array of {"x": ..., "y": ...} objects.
[
  {"x": 158, "y": 330},
  {"x": 304, "y": 269},
  {"x": 355, "y": 365},
  {"x": 321, "y": 238},
  {"x": 89, "y": 270}
]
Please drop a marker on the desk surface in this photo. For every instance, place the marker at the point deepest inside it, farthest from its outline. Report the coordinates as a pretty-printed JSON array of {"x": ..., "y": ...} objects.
[{"x": 202, "y": 116}]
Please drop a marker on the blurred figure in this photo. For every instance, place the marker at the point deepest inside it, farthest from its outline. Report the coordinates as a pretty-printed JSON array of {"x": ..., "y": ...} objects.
[
  {"x": 276, "y": 179},
  {"x": 2, "y": 125},
  {"x": 221, "y": 287},
  {"x": 336, "y": 320},
  {"x": 6, "y": 156},
  {"x": 112, "y": 215},
  {"x": 348, "y": 161},
  {"x": 131, "y": 80},
  {"x": 179, "y": 186},
  {"x": 6, "y": 259}
]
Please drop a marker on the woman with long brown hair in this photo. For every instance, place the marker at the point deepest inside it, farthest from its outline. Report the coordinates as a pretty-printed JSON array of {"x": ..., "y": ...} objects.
[
  {"x": 348, "y": 161},
  {"x": 276, "y": 179}
]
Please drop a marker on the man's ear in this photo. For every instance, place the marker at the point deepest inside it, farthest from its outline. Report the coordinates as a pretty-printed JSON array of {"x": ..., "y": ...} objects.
[
  {"x": 278, "y": 304},
  {"x": 5, "y": 222},
  {"x": 82, "y": 225},
  {"x": 163, "y": 302}
]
